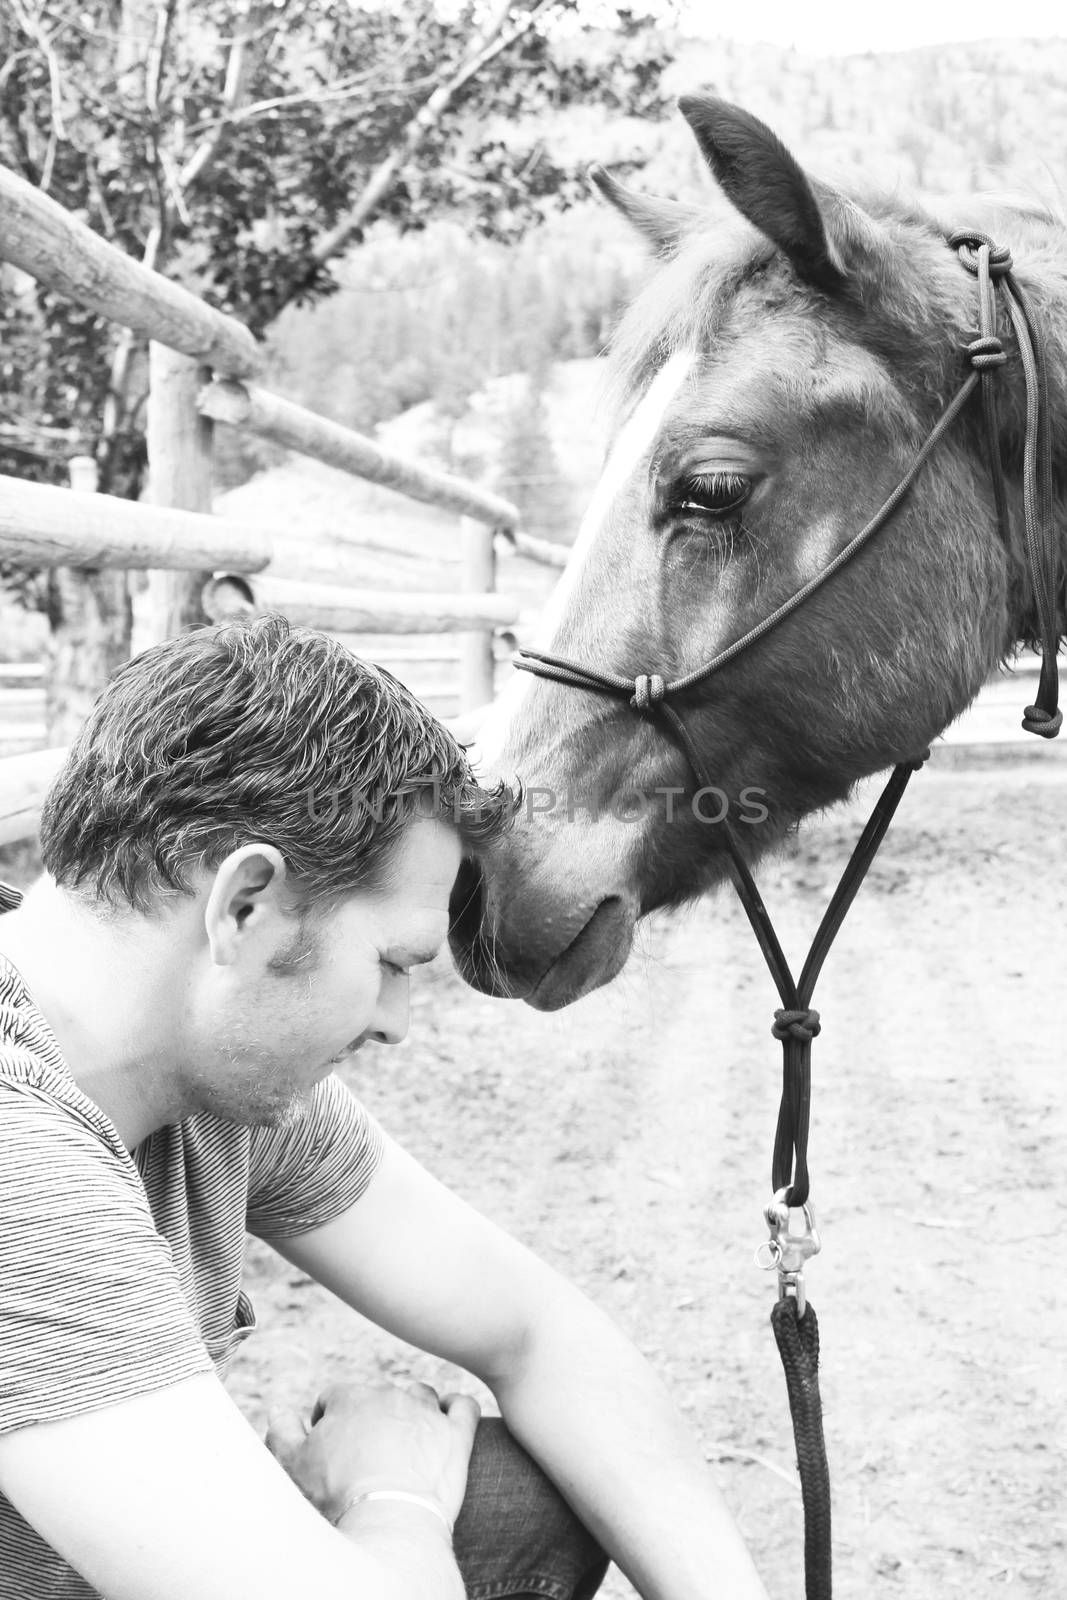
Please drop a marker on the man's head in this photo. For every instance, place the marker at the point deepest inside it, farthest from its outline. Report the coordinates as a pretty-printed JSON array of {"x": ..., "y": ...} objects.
[{"x": 285, "y": 822}]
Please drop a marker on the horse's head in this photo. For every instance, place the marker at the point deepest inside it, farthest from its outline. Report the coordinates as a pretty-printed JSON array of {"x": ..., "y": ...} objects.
[{"x": 775, "y": 380}]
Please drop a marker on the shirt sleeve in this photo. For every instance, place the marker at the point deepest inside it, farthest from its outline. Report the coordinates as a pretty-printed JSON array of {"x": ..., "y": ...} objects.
[
  {"x": 306, "y": 1173},
  {"x": 91, "y": 1306}
]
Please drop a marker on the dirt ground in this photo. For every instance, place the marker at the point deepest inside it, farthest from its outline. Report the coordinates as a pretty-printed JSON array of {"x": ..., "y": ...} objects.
[{"x": 628, "y": 1141}]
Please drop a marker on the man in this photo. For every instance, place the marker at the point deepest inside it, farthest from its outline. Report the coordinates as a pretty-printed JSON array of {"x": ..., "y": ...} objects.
[{"x": 251, "y": 844}]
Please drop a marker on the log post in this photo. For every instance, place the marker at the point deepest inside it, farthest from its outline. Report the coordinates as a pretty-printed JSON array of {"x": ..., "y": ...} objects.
[
  {"x": 84, "y": 475},
  {"x": 179, "y": 476},
  {"x": 89, "y": 617},
  {"x": 477, "y": 657}
]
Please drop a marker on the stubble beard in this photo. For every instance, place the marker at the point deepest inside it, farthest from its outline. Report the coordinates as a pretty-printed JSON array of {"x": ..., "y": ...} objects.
[{"x": 247, "y": 1088}]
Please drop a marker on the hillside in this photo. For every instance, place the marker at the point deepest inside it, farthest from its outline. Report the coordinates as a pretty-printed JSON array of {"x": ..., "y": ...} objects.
[
  {"x": 944, "y": 118},
  {"x": 335, "y": 529},
  {"x": 438, "y": 313}
]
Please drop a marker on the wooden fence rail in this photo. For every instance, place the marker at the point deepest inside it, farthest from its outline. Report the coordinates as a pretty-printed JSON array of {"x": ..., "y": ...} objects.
[
  {"x": 299, "y": 429},
  {"x": 24, "y": 782},
  {"x": 197, "y": 357},
  {"x": 321, "y": 605},
  {"x": 43, "y": 239},
  {"x": 42, "y": 526}
]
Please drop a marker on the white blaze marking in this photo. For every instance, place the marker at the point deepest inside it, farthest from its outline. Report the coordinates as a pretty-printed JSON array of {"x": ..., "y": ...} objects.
[{"x": 627, "y": 457}]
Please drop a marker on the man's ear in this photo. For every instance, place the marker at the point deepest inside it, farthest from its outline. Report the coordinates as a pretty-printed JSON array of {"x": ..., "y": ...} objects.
[{"x": 247, "y": 898}]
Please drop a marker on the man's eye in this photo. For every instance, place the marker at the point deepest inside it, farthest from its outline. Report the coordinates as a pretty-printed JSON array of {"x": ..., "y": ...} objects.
[
  {"x": 710, "y": 494},
  {"x": 397, "y": 971}
]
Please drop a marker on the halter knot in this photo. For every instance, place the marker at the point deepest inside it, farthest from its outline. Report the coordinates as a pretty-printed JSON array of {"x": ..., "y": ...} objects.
[
  {"x": 986, "y": 352},
  {"x": 800, "y": 1024},
  {"x": 967, "y": 246},
  {"x": 1045, "y": 723},
  {"x": 649, "y": 690}
]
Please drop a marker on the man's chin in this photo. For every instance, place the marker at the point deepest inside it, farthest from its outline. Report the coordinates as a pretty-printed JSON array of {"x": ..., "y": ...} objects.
[
  {"x": 278, "y": 1114},
  {"x": 262, "y": 1110}
]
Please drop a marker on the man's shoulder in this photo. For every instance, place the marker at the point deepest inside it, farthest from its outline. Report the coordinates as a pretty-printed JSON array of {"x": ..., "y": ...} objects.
[
  {"x": 38, "y": 1092},
  {"x": 309, "y": 1170},
  {"x": 28, "y": 1050}
]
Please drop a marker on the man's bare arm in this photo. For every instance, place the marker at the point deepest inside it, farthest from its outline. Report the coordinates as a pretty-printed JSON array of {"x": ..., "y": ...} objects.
[
  {"x": 573, "y": 1389},
  {"x": 171, "y": 1496}
]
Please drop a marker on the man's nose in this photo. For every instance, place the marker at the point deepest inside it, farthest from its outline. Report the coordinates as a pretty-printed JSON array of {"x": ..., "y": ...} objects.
[{"x": 390, "y": 1024}]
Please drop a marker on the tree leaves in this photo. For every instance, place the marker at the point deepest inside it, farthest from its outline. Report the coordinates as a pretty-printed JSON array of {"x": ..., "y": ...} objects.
[{"x": 237, "y": 144}]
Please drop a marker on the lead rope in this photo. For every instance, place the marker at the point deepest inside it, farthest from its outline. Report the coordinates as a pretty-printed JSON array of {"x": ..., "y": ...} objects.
[
  {"x": 793, "y": 1236},
  {"x": 789, "y": 1216}
]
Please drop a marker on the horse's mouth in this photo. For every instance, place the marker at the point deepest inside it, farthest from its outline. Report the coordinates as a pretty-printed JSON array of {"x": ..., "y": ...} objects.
[{"x": 594, "y": 956}]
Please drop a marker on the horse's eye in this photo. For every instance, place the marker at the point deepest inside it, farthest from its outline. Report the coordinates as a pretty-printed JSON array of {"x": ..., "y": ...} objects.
[{"x": 711, "y": 494}]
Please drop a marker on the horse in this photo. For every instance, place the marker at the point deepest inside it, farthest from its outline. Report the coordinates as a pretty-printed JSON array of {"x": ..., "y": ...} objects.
[{"x": 794, "y": 347}]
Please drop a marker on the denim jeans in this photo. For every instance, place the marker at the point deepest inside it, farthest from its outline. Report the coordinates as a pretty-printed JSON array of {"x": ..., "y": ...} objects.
[{"x": 516, "y": 1537}]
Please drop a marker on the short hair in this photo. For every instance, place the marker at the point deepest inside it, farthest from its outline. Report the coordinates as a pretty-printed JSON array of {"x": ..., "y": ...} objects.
[{"x": 254, "y": 730}]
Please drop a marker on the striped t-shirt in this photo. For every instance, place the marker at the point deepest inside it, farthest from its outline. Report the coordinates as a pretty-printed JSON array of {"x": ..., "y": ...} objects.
[{"x": 120, "y": 1272}]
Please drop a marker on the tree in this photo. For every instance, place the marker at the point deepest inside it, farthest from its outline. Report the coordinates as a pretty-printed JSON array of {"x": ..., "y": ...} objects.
[
  {"x": 243, "y": 146},
  {"x": 529, "y": 473}
]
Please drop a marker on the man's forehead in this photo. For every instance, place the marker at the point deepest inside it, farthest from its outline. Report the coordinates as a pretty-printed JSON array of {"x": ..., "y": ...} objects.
[
  {"x": 423, "y": 868},
  {"x": 428, "y": 853},
  {"x": 412, "y": 931}
]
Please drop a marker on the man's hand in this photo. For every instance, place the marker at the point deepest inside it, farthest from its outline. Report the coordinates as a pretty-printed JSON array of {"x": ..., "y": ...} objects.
[
  {"x": 116, "y": 1490},
  {"x": 361, "y": 1439}
]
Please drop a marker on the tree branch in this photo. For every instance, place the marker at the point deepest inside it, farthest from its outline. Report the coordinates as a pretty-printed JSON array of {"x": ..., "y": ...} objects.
[
  {"x": 33, "y": 25},
  {"x": 157, "y": 51},
  {"x": 284, "y": 102},
  {"x": 116, "y": 402},
  {"x": 237, "y": 75},
  {"x": 493, "y": 41}
]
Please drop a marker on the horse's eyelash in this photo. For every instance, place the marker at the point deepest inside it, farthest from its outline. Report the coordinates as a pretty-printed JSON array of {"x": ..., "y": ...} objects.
[{"x": 714, "y": 483}]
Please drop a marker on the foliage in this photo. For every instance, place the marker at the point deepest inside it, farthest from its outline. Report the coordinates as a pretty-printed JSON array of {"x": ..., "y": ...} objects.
[
  {"x": 529, "y": 473},
  {"x": 948, "y": 119},
  {"x": 243, "y": 144},
  {"x": 437, "y": 314}
]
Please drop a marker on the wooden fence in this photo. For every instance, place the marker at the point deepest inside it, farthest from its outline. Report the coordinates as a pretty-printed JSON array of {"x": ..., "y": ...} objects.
[{"x": 200, "y": 366}]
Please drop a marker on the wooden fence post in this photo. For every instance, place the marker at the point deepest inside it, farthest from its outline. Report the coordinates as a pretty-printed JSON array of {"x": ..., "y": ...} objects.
[
  {"x": 179, "y": 476},
  {"x": 477, "y": 657},
  {"x": 84, "y": 477},
  {"x": 89, "y": 615}
]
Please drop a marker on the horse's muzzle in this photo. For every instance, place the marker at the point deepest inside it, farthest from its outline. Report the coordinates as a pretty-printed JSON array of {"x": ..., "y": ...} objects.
[{"x": 545, "y": 954}]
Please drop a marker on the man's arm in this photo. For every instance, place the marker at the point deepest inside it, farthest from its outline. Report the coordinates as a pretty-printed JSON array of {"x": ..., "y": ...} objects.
[
  {"x": 574, "y": 1391},
  {"x": 171, "y": 1496}
]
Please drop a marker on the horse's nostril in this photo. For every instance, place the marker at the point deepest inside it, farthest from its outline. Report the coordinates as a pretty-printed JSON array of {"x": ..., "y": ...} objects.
[
  {"x": 473, "y": 947},
  {"x": 466, "y": 903}
]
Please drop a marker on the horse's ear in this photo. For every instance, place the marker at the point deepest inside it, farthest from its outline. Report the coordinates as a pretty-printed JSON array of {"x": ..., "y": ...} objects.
[
  {"x": 758, "y": 175},
  {"x": 664, "y": 222}
]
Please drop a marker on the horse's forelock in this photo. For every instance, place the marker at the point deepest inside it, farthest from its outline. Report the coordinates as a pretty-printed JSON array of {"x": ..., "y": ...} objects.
[
  {"x": 690, "y": 296},
  {"x": 683, "y": 303}
]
